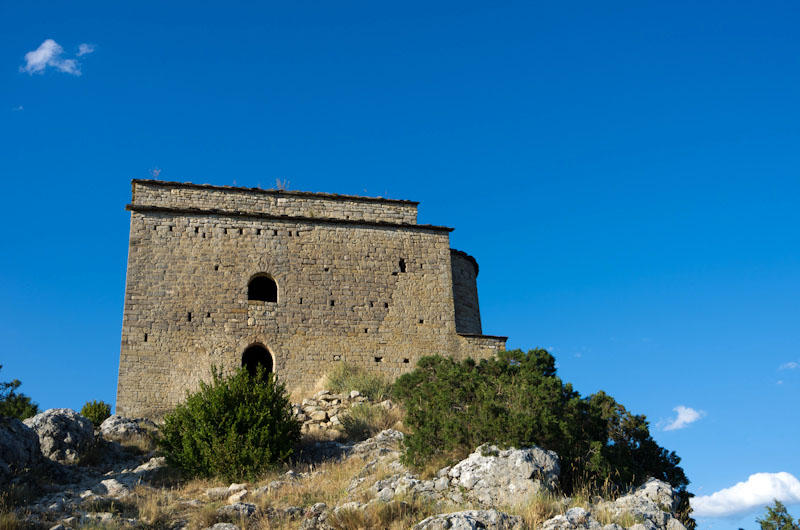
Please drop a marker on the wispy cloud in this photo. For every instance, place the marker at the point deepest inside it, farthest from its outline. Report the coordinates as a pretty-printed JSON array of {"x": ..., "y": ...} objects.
[
  {"x": 18, "y": 108},
  {"x": 686, "y": 415},
  {"x": 85, "y": 49},
  {"x": 50, "y": 53},
  {"x": 791, "y": 365},
  {"x": 758, "y": 490}
]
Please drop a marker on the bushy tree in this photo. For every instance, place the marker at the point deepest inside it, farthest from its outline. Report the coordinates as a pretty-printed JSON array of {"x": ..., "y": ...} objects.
[
  {"x": 234, "y": 428},
  {"x": 96, "y": 412},
  {"x": 778, "y": 518},
  {"x": 13, "y": 404},
  {"x": 516, "y": 399}
]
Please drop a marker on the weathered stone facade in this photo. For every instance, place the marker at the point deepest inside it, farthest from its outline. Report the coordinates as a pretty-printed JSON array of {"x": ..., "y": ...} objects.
[{"x": 358, "y": 281}]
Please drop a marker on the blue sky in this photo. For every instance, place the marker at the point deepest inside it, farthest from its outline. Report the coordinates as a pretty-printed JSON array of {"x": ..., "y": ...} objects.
[{"x": 626, "y": 175}]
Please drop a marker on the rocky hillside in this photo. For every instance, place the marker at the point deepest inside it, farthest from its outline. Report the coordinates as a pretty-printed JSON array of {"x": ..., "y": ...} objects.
[{"x": 58, "y": 472}]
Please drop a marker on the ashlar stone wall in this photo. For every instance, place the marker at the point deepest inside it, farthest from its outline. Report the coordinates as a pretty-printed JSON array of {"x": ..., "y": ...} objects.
[
  {"x": 372, "y": 293},
  {"x": 273, "y": 202}
]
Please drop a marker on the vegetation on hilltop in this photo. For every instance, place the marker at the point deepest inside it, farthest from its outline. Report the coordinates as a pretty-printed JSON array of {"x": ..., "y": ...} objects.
[
  {"x": 778, "y": 518},
  {"x": 516, "y": 399},
  {"x": 96, "y": 412},
  {"x": 13, "y": 404},
  {"x": 234, "y": 428}
]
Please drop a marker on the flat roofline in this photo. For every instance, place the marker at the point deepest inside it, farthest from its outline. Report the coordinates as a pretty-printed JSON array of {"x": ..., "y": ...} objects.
[
  {"x": 272, "y": 217},
  {"x": 288, "y": 193},
  {"x": 480, "y": 336}
]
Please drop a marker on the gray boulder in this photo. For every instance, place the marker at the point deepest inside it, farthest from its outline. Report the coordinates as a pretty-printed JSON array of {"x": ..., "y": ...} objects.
[
  {"x": 386, "y": 443},
  {"x": 471, "y": 520},
  {"x": 238, "y": 510},
  {"x": 652, "y": 503},
  {"x": 19, "y": 448},
  {"x": 492, "y": 476},
  {"x": 116, "y": 429},
  {"x": 64, "y": 435},
  {"x": 575, "y": 518}
]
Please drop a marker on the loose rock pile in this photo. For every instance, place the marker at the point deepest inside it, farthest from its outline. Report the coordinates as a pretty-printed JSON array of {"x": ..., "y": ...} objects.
[{"x": 323, "y": 412}]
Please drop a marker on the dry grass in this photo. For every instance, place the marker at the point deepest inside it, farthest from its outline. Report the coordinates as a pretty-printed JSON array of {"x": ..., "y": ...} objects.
[
  {"x": 441, "y": 460},
  {"x": 10, "y": 521},
  {"x": 544, "y": 505},
  {"x": 605, "y": 516},
  {"x": 158, "y": 507},
  {"x": 17, "y": 495},
  {"x": 538, "y": 508},
  {"x": 365, "y": 420},
  {"x": 140, "y": 443},
  {"x": 162, "y": 507},
  {"x": 204, "y": 517},
  {"x": 394, "y": 515},
  {"x": 327, "y": 483}
]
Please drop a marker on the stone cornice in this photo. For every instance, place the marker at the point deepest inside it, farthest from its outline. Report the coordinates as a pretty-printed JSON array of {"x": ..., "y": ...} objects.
[{"x": 297, "y": 218}]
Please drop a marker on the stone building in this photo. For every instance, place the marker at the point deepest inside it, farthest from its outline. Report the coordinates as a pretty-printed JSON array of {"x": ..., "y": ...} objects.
[{"x": 293, "y": 281}]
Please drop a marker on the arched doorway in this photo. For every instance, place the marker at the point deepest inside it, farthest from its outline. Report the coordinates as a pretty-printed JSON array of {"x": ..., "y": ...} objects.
[{"x": 257, "y": 355}]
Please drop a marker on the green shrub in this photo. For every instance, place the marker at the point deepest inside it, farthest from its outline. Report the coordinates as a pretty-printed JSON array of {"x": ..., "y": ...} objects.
[
  {"x": 346, "y": 377},
  {"x": 364, "y": 420},
  {"x": 15, "y": 405},
  {"x": 96, "y": 412},
  {"x": 235, "y": 428},
  {"x": 777, "y": 518},
  {"x": 516, "y": 400}
]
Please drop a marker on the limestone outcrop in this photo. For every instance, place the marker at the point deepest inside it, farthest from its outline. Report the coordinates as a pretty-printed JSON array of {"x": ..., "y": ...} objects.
[
  {"x": 488, "y": 477},
  {"x": 651, "y": 506},
  {"x": 116, "y": 428},
  {"x": 19, "y": 448},
  {"x": 492, "y": 476},
  {"x": 64, "y": 435},
  {"x": 471, "y": 520}
]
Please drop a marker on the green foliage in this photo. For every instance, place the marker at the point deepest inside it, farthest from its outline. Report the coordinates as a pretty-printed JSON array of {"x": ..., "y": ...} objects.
[
  {"x": 346, "y": 377},
  {"x": 235, "y": 428},
  {"x": 96, "y": 412},
  {"x": 516, "y": 399},
  {"x": 778, "y": 518},
  {"x": 15, "y": 405}
]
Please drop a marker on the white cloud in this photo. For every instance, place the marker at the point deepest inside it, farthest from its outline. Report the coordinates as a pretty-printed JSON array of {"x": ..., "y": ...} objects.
[
  {"x": 686, "y": 415},
  {"x": 49, "y": 53},
  {"x": 18, "y": 108},
  {"x": 759, "y": 490},
  {"x": 791, "y": 365},
  {"x": 85, "y": 49}
]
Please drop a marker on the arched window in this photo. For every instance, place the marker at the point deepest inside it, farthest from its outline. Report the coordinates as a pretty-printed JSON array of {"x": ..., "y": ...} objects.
[
  {"x": 255, "y": 356},
  {"x": 262, "y": 288}
]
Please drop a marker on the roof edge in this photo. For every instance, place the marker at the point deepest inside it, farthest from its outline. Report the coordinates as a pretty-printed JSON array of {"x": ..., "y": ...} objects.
[
  {"x": 290, "y": 193},
  {"x": 256, "y": 215},
  {"x": 480, "y": 335},
  {"x": 468, "y": 257}
]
